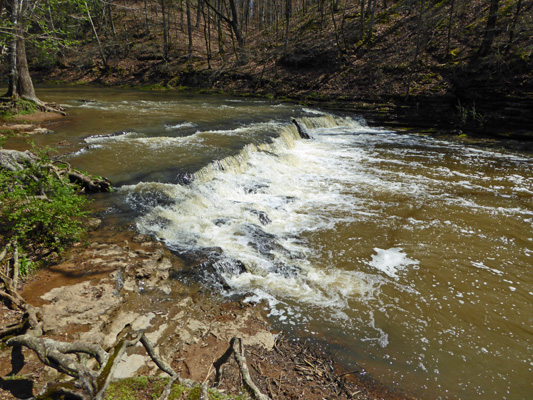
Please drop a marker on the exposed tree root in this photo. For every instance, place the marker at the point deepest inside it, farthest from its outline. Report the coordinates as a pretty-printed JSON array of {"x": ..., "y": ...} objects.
[
  {"x": 237, "y": 349},
  {"x": 90, "y": 384},
  {"x": 51, "y": 107},
  {"x": 70, "y": 358}
]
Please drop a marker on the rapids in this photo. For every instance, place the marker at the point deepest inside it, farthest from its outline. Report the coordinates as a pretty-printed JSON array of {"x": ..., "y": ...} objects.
[{"x": 411, "y": 257}]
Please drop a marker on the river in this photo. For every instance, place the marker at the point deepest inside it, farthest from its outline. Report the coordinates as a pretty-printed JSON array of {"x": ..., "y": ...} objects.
[{"x": 410, "y": 256}]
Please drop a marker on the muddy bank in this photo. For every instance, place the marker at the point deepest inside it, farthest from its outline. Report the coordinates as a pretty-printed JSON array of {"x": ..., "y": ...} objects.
[
  {"x": 118, "y": 278},
  {"x": 39, "y": 122}
]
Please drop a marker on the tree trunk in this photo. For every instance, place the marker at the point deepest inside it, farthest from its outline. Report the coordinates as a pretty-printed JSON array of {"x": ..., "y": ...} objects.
[
  {"x": 189, "y": 28},
  {"x": 450, "y": 24},
  {"x": 165, "y": 30},
  {"x": 288, "y": 9},
  {"x": 20, "y": 82},
  {"x": 362, "y": 22},
  {"x": 490, "y": 29},
  {"x": 236, "y": 29},
  {"x": 515, "y": 21},
  {"x": 111, "y": 22},
  {"x": 207, "y": 36},
  {"x": 100, "y": 48},
  {"x": 199, "y": 12},
  {"x": 12, "y": 92},
  {"x": 371, "y": 24},
  {"x": 25, "y": 87},
  {"x": 146, "y": 20},
  {"x": 233, "y": 22}
]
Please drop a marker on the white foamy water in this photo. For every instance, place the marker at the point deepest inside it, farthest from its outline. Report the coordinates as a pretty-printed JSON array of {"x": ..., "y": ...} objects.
[{"x": 359, "y": 227}]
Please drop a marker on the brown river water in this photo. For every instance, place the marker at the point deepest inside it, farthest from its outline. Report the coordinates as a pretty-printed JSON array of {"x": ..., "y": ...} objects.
[{"x": 408, "y": 257}]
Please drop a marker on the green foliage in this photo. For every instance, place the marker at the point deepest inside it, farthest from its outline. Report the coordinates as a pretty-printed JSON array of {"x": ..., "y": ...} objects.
[
  {"x": 39, "y": 210},
  {"x": 26, "y": 266}
]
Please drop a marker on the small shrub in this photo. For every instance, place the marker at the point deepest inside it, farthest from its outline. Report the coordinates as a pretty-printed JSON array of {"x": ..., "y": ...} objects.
[{"x": 39, "y": 209}]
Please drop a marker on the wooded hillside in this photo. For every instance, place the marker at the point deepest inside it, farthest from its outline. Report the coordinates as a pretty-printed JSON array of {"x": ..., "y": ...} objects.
[{"x": 392, "y": 57}]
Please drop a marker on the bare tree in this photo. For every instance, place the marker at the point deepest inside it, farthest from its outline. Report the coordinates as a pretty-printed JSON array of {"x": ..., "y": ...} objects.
[{"x": 233, "y": 22}]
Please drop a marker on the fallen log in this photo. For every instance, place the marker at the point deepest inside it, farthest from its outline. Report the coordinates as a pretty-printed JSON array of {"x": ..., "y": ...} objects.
[
  {"x": 88, "y": 184},
  {"x": 301, "y": 131}
]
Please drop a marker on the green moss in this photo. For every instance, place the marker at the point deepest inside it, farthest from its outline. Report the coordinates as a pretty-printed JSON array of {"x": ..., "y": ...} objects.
[
  {"x": 155, "y": 87},
  {"x": 127, "y": 389},
  {"x": 10, "y": 108},
  {"x": 131, "y": 389}
]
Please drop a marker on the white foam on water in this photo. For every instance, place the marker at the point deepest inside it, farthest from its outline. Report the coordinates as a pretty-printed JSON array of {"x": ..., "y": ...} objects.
[
  {"x": 285, "y": 181},
  {"x": 391, "y": 261},
  {"x": 180, "y": 126}
]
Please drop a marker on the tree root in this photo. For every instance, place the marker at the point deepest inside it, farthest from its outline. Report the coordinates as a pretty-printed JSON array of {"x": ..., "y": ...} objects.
[
  {"x": 51, "y": 107},
  {"x": 90, "y": 384},
  {"x": 237, "y": 349}
]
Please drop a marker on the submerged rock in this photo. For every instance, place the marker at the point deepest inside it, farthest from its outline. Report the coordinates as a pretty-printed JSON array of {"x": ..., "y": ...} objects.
[{"x": 262, "y": 216}]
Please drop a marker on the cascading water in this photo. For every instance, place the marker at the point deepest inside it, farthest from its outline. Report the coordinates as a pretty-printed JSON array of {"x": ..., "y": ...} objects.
[{"x": 409, "y": 255}]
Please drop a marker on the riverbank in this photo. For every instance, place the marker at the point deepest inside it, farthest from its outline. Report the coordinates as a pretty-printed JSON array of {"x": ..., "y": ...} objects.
[{"x": 118, "y": 277}]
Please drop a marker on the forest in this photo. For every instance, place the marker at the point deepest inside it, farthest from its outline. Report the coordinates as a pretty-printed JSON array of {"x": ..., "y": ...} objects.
[{"x": 467, "y": 63}]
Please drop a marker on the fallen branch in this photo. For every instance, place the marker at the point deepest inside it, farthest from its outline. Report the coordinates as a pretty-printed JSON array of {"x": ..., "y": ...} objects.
[
  {"x": 4, "y": 251},
  {"x": 88, "y": 184},
  {"x": 301, "y": 131}
]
